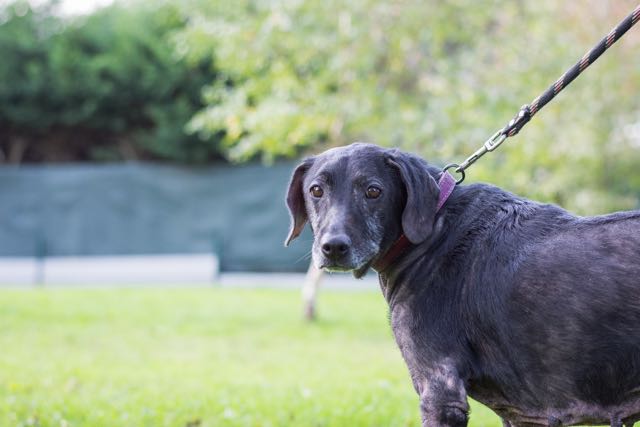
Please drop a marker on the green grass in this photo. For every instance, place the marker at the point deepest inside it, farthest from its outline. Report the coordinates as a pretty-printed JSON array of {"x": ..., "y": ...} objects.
[{"x": 201, "y": 357}]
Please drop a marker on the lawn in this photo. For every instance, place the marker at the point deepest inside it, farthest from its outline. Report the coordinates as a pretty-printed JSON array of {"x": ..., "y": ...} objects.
[{"x": 201, "y": 357}]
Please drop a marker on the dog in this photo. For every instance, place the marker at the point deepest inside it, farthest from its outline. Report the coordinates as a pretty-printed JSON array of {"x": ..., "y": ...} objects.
[{"x": 522, "y": 306}]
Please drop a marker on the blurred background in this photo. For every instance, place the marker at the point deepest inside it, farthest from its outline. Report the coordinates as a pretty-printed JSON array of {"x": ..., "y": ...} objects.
[{"x": 151, "y": 142}]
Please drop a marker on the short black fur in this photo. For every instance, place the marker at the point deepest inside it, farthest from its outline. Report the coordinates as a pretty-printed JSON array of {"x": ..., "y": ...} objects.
[{"x": 523, "y": 306}]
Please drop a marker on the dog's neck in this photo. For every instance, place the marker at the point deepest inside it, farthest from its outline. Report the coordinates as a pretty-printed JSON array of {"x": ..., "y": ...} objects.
[
  {"x": 447, "y": 184},
  {"x": 447, "y": 229}
]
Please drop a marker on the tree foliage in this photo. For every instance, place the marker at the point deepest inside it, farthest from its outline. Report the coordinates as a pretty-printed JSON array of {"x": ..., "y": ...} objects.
[
  {"x": 104, "y": 87},
  {"x": 433, "y": 77},
  {"x": 299, "y": 76}
]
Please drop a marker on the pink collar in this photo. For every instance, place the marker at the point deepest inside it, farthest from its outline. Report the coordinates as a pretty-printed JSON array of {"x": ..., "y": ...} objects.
[{"x": 446, "y": 183}]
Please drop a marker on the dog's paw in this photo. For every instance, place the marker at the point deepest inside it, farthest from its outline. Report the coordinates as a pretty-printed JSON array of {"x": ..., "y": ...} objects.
[{"x": 453, "y": 417}]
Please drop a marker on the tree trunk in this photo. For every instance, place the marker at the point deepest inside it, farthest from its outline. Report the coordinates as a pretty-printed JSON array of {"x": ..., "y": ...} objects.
[
  {"x": 127, "y": 150},
  {"x": 17, "y": 146}
]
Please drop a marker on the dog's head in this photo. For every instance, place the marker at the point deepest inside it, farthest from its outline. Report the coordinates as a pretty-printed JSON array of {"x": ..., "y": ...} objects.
[{"x": 359, "y": 199}]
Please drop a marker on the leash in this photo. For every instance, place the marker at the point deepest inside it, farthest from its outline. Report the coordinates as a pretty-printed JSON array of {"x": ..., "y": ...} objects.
[
  {"x": 529, "y": 110},
  {"x": 447, "y": 182}
]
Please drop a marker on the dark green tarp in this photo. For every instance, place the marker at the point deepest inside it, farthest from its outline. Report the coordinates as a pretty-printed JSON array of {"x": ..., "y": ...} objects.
[{"x": 236, "y": 212}]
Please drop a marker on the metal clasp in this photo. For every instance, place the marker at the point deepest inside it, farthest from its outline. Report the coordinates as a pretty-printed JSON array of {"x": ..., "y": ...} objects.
[
  {"x": 457, "y": 166},
  {"x": 495, "y": 141},
  {"x": 489, "y": 145}
]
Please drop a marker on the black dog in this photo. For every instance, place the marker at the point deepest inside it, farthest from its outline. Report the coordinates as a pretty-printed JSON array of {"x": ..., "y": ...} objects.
[{"x": 522, "y": 306}]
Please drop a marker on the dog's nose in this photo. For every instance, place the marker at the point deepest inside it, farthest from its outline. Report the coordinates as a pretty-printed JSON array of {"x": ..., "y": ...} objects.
[{"x": 336, "y": 247}]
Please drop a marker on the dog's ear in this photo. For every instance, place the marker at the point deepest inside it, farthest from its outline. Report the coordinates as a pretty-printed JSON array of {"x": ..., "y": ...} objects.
[
  {"x": 295, "y": 201},
  {"x": 422, "y": 195}
]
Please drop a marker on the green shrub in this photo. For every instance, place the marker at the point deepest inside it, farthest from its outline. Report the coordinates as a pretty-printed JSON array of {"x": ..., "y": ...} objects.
[{"x": 104, "y": 87}]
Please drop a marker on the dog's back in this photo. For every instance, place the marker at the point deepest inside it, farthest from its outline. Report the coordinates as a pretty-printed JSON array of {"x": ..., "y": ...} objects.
[{"x": 568, "y": 320}]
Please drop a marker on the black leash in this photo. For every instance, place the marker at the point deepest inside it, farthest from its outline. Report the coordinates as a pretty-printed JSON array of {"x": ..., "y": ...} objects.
[{"x": 529, "y": 110}]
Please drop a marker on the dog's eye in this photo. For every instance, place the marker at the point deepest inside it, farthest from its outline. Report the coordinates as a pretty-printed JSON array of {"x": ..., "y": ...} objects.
[
  {"x": 316, "y": 191},
  {"x": 373, "y": 192}
]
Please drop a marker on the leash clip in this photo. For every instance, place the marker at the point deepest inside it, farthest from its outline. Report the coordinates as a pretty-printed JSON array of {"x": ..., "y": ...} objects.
[
  {"x": 489, "y": 145},
  {"x": 495, "y": 141}
]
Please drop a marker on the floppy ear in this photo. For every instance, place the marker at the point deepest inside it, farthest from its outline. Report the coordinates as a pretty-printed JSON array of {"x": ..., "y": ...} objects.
[
  {"x": 295, "y": 201},
  {"x": 422, "y": 196}
]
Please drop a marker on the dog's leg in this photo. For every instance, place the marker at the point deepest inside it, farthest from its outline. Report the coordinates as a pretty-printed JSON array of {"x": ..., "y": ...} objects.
[
  {"x": 616, "y": 421},
  {"x": 310, "y": 291},
  {"x": 443, "y": 398}
]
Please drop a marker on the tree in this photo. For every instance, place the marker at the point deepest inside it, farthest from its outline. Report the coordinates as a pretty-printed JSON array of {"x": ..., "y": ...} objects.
[
  {"x": 433, "y": 77},
  {"x": 105, "y": 87}
]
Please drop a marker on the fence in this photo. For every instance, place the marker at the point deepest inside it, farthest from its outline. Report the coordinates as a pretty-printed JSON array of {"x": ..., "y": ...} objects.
[{"x": 236, "y": 213}]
